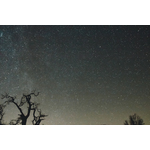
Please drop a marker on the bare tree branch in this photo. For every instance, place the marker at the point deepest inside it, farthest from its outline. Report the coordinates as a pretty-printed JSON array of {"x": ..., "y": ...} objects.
[
  {"x": 11, "y": 100},
  {"x": 37, "y": 119}
]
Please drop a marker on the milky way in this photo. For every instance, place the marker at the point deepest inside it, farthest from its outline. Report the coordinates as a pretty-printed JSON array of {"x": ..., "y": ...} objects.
[{"x": 85, "y": 74}]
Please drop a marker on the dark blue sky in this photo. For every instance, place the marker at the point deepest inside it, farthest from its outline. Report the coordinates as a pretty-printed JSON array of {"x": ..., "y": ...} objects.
[{"x": 86, "y": 74}]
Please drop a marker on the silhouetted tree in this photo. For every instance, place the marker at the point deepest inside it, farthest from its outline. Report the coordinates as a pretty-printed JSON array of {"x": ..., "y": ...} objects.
[
  {"x": 31, "y": 106},
  {"x": 2, "y": 114},
  {"x": 134, "y": 120}
]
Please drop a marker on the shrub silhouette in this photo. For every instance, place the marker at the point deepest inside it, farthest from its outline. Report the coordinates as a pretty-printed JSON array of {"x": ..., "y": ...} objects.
[{"x": 134, "y": 120}]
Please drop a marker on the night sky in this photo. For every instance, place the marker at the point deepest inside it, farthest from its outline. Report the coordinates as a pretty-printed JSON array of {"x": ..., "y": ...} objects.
[{"x": 85, "y": 74}]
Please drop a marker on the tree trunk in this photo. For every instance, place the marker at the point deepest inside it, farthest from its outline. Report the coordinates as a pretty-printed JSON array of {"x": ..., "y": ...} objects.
[{"x": 24, "y": 121}]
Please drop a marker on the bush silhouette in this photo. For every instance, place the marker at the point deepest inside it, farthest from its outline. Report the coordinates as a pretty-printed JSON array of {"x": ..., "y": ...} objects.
[{"x": 134, "y": 120}]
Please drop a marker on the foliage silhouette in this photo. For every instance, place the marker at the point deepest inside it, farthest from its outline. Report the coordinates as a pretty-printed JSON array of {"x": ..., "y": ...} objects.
[
  {"x": 134, "y": 120},
  {"x": 2, "y": 114},
  {"x": 31, "y": 107}
]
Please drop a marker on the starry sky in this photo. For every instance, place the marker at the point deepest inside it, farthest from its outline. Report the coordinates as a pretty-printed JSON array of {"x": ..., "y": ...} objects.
[{"x": 86, "y": 75}]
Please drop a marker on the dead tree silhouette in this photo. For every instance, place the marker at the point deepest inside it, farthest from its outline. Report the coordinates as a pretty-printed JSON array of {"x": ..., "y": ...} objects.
[{"x": 32, "y": 106}]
